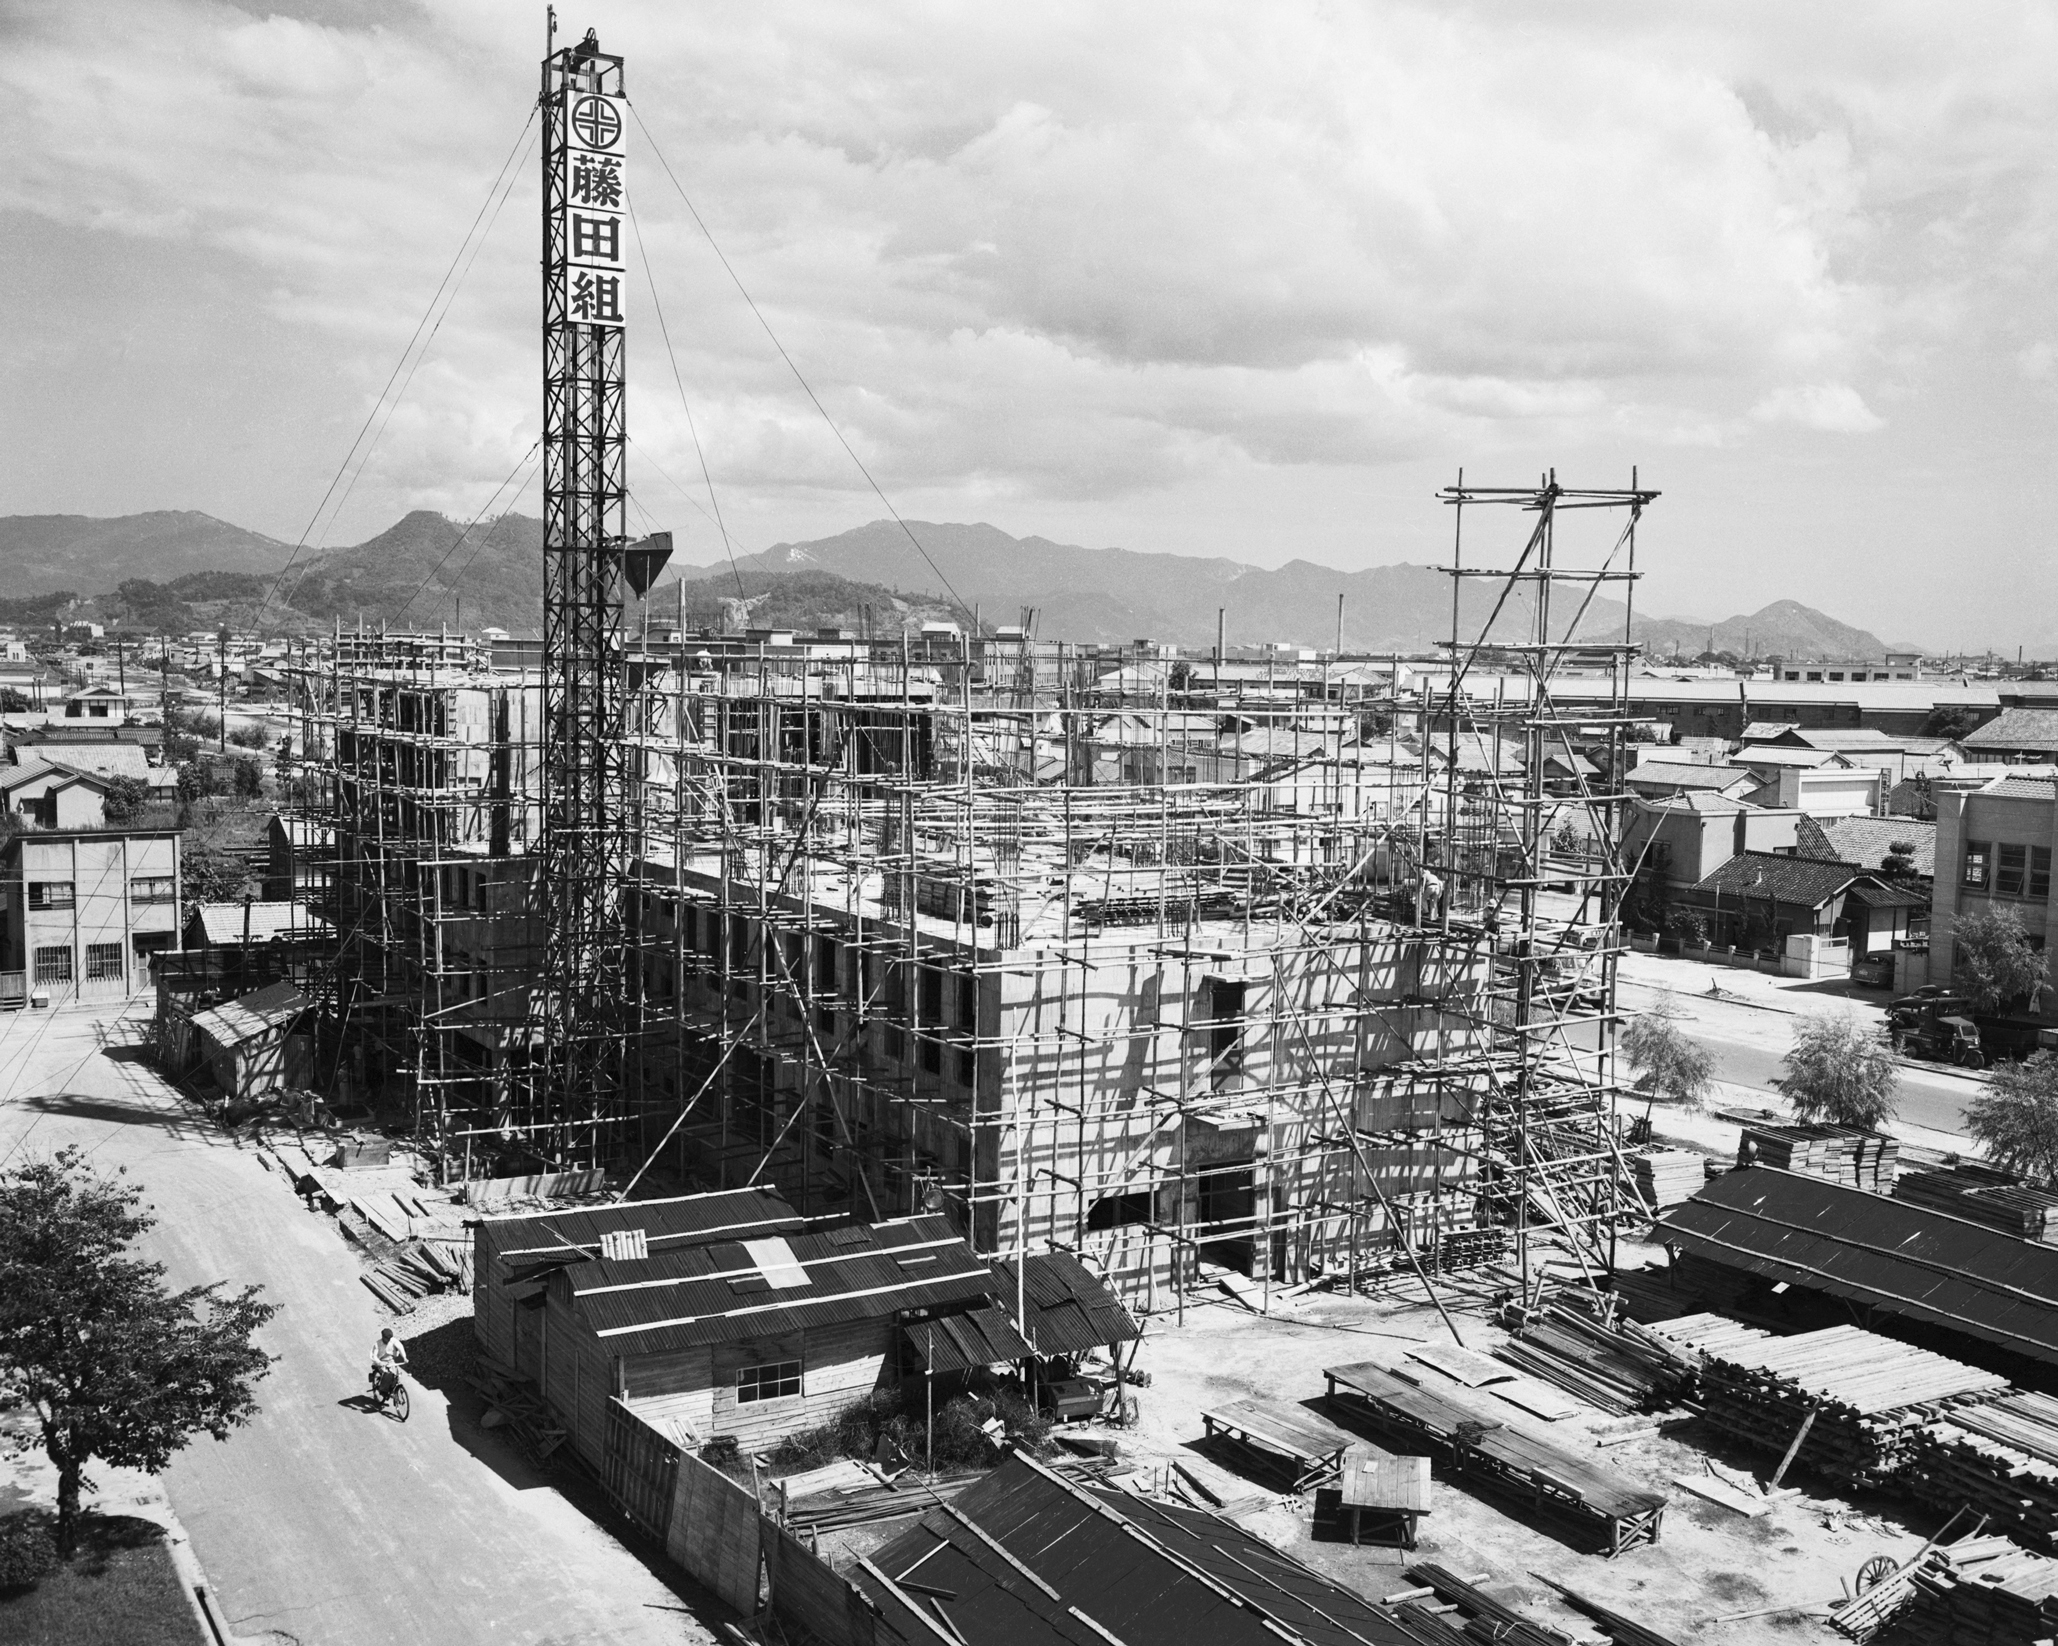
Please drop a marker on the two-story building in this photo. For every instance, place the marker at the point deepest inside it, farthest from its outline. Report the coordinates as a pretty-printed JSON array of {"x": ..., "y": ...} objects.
[
  {"x": 83, "y": 910},
  {"x": 1993, "y": 850}
]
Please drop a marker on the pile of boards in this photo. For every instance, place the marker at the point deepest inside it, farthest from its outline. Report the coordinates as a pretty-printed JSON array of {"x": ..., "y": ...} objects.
[
  {"x": 1863, "y": 1398},
  {"x": 2000, "y": 1457},
  {"x": 1843, "y": 1154},
  {"x": 521, "y": 1410},
  {"x": 850, "y": 1493},
  {"x": 1991, "y": 1199},
  {"x": 1983, "y": 1592},
  {"x": 1665, "y": 1177},
  {"x": 417, "y": 1269},
  {"x": 1572, "y": 1346}
]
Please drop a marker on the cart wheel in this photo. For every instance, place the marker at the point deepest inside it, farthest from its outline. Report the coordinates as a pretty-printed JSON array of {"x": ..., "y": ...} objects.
[{"x": 1875, "y": 1572}]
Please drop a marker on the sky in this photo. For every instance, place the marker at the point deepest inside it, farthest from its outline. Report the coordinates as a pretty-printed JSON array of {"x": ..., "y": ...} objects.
[{"x": 1207, "y": 278}]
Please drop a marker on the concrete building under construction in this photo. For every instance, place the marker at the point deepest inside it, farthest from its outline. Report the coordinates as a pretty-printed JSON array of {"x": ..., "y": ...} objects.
[{"x": 1179, "y": 966}]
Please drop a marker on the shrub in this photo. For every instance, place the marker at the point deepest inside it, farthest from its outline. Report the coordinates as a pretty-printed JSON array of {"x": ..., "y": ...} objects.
[
  {"x": 900, "y": 1417},
  {"x": 28, "y": 1549},
  {"x": 251, "y": 737},
  {"x": 1842, "y": 1071}
]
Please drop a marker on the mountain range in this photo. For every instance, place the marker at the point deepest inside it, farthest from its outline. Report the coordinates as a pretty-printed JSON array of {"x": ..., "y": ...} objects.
[{"x": 425, "y": 570}]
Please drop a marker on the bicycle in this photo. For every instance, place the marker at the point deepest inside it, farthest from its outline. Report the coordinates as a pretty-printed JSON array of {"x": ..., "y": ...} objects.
[{"x": 389, "y": 1394}]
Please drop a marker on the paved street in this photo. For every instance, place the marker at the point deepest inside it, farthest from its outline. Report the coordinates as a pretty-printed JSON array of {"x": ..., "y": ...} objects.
[{"x": 319, "y": 1523}]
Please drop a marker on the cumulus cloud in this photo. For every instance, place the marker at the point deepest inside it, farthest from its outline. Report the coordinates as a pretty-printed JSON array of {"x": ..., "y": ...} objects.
[{"x": 1080, "y": 250}]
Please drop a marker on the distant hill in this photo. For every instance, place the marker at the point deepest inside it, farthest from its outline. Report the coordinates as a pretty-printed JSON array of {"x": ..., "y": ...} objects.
[
  {"x": 423, "y": 571},
  {"x": 1786, "y": 628},
  {"x": 42, "y": 553},
  {"x": 1105, "y": 595}
]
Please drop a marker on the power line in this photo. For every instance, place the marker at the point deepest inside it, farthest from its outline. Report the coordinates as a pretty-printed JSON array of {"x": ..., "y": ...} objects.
[
  {"x": 665, "y": 331},
  {"x": 456, "y": 257},
  {"x": 467, "y": 532},
  {"x": 813, "y": 398}
]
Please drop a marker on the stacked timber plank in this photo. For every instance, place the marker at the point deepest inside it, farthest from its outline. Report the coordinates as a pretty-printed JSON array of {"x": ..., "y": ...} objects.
[
  {"x": 1989, "y": 1198},
  {"x": 416, "y": 1269},
  {"x": 872, "y": 1502},
  {"x": 1843, "y": 1154},
  {"x": 1574, "y": 1349},
  {"x": 1862, "y": 1397},
  {"x": 2000, "y": 1458},
  {"x": 1981, "y": 1592},
  {"x": 521, "y": 1410},
  {"x": 1665, "y": 1177},
  {"x": 1476, "y": 1438},
  {"x": 1486, "y": 1618}
]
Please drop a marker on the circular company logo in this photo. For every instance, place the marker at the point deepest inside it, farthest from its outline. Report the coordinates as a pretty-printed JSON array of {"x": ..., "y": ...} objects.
[{"x": 595, "y": 123}]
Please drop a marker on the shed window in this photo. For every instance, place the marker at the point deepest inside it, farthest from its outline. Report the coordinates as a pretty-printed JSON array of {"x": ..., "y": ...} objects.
[
  {"x": 1979, "y": 859},
  {"x": 774, "y": 1380},
  {"x": 2012, "y": 870}
]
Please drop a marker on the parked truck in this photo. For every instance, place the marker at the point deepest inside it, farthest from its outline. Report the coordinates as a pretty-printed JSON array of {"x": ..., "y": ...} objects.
[{"x": 1936, "y": 1024}]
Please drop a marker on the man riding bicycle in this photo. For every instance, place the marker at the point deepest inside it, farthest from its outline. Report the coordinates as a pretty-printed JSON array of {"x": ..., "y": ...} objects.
[{"x": 389, "y": 1354}]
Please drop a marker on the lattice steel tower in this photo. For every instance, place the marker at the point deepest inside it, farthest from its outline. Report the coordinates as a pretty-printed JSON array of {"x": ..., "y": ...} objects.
[{"x": 577, "y": 1091}]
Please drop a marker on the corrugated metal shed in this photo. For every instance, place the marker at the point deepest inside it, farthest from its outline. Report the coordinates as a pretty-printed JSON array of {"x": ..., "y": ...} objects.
[
  {"x": 716, "y": 1293},
  {"x": 962, "y": 1342},
  {"x": 1069, "y": 1309},
  {"x": 528, "y": 1242},
  {"x": 1146, "y": 1573},
  {"x": 1892, "y": 1254},
  {"x": 267, "y": 1010}
]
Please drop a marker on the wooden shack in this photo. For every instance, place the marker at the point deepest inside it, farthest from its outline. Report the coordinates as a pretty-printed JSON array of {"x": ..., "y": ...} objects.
[{"x": 755, "y": 1328}]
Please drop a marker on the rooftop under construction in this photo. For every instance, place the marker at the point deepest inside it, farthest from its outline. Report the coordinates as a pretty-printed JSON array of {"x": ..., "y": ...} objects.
[{"x": 1171, "y": 961}]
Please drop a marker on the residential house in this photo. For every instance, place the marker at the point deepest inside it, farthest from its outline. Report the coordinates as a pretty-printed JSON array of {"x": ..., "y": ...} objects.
[
  {"x": 1869, "y": 841},
  {"x": 1836, "y": 790},
  {"x": 82, "y": 911},
  {"x": 2017, "y": 736},
  {"x": 1663, "y": 779},
  {"x": 48, "y": 795},
  {"x": 1683, "y": 840},
  {"x": 1993, "y": 851},
  {"x": 102, "y": 702},
  {"x": 1758, "y": 900}
]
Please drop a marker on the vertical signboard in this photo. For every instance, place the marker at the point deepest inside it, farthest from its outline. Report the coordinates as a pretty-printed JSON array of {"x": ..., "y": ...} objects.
[{"x": 594, "y": 191}]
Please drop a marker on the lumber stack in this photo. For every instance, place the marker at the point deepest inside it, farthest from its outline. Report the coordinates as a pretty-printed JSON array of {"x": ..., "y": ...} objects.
[
  {"x": 1868, "y": 1395},
  {"x": 1486, "y": 1619},
  {"x": 522, "y": 1411},
  {"x": 1572, "y": 1347},
  {"x": 1843, "y": 1154},
  {"x": 1991, "y": 1199},
  {"x": 2000, "y": 1458},
  {"x": 1665, "y": 1177},
  {"x": 1982, "y": 1592},
  {"x": 417, "y": 1268}
]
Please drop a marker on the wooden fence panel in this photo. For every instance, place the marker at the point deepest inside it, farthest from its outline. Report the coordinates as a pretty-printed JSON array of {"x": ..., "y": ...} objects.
[
  {"x": 641, "y": 1469},
  {"x": 714, "y": 1532},
  {"x": 807, "y": 1593}
]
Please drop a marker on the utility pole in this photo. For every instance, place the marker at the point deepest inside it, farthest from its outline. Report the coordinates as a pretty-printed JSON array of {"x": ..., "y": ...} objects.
[{"x": 221, "y": 692}]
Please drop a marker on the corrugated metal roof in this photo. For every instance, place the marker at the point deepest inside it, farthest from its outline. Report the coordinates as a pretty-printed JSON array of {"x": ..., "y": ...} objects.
[
  {"x": 1148, "y": 1574},
  {"x": 1892, "y": 1254},
  {"x": 963, "y": 1342},
  {"x": 1070, "y": 1310},
  {"x": 716, "y": 1293},
  {"x": 529, "y": 1241},
  {"x": 222, "y": 923},
  {"x": 267, "y": 1010}
]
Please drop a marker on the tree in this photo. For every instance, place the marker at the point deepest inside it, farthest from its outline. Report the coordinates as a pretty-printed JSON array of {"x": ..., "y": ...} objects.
[
  {"x": 13, "y": 701},
  {"x": 1841, "y": 1071},
  {"x": 248, "y": 774},
  {"x": 2015, "y": 1119},
  {"x": 1899, "y": 862},
  {"x": 113, "y": 1364},
  {"x": 1994, "y": 963},
  {"x": 213, "y": 875},
  {"x": 125, "y": 799},
  {"x": 1667, "y": 1063},
  {"x": 1947, "y": 721}
]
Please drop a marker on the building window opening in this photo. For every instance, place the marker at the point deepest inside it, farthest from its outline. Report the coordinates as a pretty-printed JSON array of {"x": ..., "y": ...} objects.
[
  {"x": 53, "y": 964},
  {"x": 103, "y": 963},
  {"x": 1979, "y": 858},
  {"x": 775, "y": 1380}
]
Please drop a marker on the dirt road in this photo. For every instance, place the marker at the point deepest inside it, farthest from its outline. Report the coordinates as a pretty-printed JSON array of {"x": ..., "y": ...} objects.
[{"x": 319, "y": 1523}]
